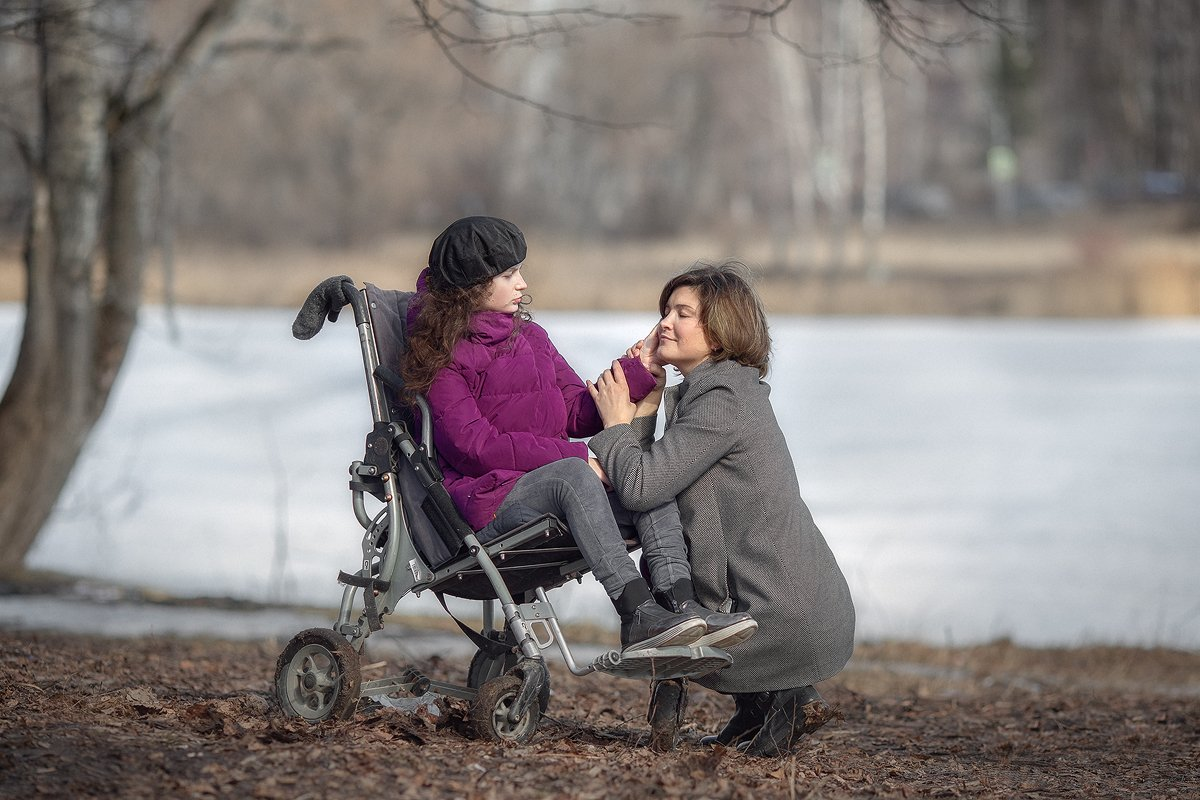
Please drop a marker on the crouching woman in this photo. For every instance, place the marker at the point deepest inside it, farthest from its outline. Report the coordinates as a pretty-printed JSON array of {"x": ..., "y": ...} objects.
[{"x": 753, "y": 545}]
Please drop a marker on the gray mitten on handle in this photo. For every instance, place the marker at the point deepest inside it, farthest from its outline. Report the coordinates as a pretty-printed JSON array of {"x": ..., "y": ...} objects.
[{"x": 324, "y": 302}]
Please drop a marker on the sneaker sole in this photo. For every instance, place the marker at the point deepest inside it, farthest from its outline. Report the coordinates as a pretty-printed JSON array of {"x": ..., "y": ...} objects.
[
  {"x": 681, "y": 635},
  {"x": 729, "y": 635}
]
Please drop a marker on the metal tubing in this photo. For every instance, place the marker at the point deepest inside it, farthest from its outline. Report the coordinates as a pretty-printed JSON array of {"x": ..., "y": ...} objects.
[
  {"x": 552, "y": 621},
  {"x": 370, "y": 361},
  {"x": 347, "y": 608},
  {"x": 512, "y": 613},
  {"x": 360, "y": 510},
  {"x": 489, "y": 615}
]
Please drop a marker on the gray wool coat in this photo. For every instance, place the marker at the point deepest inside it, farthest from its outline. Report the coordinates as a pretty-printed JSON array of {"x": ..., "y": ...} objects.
[{"x": 752, "y": 542}]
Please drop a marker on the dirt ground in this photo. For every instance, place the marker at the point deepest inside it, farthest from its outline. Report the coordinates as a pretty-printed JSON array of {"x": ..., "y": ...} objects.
[{"x": 168, "y": 717}]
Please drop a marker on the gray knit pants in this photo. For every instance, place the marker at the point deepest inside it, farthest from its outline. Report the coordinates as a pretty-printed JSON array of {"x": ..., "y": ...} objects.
[{"x": 569, "y": 490}]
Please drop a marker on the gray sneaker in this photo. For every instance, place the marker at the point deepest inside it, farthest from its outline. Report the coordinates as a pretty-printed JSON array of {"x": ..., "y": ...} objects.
[
  {"x": 721, "y": 630},
  {"x": 654, "y": 626}
]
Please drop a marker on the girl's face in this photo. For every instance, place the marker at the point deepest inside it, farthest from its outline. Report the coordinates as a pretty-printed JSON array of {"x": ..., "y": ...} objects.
[
  {"x": 682, "y": 342},
  {"x": 507, "y": 288}
]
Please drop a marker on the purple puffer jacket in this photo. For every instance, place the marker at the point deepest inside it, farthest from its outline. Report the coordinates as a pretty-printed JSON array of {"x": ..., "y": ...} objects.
[{"x": 505, "y": 406}]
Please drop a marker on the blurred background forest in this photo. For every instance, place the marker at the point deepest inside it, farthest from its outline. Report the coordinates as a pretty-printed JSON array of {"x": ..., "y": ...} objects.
[{"x": 1038, "y": 158}]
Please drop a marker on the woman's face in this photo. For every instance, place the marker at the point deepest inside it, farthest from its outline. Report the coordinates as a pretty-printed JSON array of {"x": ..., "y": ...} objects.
[
  {"x": 507, "y": 288},
  {"x": 681, "y": 339}
]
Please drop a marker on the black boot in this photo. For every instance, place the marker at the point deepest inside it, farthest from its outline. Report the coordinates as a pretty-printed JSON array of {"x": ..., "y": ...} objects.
[
  {"x": 793, "y": 713},
  {"x": 749, "y": 712},
  {"x": 721, "y": 630},
  {"x": 645, "y": 624}
]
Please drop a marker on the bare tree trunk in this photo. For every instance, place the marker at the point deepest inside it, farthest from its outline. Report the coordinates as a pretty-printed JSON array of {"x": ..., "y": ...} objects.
[
  {"x": 874, "y": 167},
  {"x": 526, "y": 162},
  {"x": 94, "y": 176},
  {"x": 791, "y": 75},
  {"x": 47, "y": 410},
  {"x": 836, "y": 132}
]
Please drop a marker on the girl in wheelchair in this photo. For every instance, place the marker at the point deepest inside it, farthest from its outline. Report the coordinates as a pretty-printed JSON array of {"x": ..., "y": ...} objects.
[{"x": 505, "y": 407}]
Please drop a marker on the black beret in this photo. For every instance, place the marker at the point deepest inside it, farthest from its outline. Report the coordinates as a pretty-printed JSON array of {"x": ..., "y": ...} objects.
[{"x": 473, "y": 250}]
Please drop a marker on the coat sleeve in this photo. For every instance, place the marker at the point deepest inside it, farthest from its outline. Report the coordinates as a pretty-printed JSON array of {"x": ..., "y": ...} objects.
[
  {"x": 696, "y": 440},
  {"x": 582, "y": 417},
  {"x": 468, "y": 441}
]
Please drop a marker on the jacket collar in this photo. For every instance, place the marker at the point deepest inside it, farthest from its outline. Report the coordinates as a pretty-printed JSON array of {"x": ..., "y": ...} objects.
[
  {"x": 491, "y": 327},
  {"x": 711, "y": 373},
  {"x": 704, "y": 373}
]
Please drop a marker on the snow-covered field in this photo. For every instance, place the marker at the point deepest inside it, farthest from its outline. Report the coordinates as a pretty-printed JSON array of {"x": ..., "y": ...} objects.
[{"x": 976, "y": 479}]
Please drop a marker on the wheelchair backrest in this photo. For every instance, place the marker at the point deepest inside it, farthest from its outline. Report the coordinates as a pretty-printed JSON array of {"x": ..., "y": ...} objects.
[
  {"x": 389, "y": 322},
  {"x": 433, "y": 536}
]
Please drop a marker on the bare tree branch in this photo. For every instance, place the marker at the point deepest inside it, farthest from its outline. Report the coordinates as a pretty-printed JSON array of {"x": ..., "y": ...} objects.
[
  {"x": 585, "y": 11},
  {"x": 284, "y": 46},
  {"x": 538, "y": 24},
  {"x": 903, "y": 27},
  {"x": 439, "y": 34},
  {"x": 195, "y": 47},
  {"x": 910, "y": 31}
]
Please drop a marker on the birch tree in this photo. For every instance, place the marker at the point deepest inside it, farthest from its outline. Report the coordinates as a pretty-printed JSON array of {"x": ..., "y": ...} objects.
[{"x": 92, "y": 161}]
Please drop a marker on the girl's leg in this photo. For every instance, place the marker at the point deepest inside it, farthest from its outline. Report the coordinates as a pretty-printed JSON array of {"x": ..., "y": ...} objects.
[
  {"x": 571, "y": 491},
  {"x": 661, "y": 534}
]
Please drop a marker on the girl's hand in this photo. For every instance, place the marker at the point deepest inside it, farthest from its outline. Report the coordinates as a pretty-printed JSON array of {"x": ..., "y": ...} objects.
[{"x": 611, "y": 394}]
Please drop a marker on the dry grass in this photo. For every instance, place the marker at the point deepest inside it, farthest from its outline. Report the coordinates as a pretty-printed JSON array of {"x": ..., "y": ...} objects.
[{"x": 1104, "y": 267}]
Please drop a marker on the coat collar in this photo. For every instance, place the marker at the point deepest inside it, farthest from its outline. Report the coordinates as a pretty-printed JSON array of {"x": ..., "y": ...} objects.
[
  {"x": 491, "y": 327},
  {"x": 708, "y": 374}
]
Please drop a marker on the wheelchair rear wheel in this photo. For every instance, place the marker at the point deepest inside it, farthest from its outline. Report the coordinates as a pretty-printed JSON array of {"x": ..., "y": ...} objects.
[
  {"x": 489, "y": 712},
  {"x": 317, "y": 676}
]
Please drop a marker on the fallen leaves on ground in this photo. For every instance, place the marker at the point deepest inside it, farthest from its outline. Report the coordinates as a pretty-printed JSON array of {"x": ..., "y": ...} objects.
[{"x": 165, "y": 717}]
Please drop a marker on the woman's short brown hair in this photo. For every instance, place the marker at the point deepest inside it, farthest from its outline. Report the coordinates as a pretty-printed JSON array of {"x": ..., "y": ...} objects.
[{"x": 731, "y": 312}]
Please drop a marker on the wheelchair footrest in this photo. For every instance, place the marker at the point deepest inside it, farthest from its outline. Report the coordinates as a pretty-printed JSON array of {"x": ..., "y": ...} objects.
[{"x": 662, "y": 663}]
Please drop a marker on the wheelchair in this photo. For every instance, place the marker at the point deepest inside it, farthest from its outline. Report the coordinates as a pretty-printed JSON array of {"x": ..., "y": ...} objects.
[{"x": 413, "y": 541}]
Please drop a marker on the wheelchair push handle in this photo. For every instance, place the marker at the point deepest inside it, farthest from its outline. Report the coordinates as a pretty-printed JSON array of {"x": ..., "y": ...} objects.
[{"x": 357, "y": 301}]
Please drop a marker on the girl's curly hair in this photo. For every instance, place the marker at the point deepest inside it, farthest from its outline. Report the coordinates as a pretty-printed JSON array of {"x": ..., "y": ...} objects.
[{"x": 441, "y": 323}]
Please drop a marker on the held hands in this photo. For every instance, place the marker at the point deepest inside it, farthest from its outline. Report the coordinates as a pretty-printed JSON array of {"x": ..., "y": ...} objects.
[
  {"x": 611, "y": 391},
  {"x": 611, "y": 394}
]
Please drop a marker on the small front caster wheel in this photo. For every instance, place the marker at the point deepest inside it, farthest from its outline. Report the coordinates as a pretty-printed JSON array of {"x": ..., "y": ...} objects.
[
  {"x": 485, "y": 667},
  {"x": 317, "y": 676},
  {"x": 489, "y": 712}
]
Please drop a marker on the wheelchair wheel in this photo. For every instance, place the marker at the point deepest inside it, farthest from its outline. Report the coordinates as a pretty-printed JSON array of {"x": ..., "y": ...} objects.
[
  {"x": 489, "y": 712},
  {"x": 485, "y": 667},
  {"x": 317, "y": 676}
]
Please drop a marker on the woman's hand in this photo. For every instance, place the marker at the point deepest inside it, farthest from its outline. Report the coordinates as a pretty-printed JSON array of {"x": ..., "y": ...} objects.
[
  {"x": 611, "y": 394},
  {"x": 646, "y": 351}
]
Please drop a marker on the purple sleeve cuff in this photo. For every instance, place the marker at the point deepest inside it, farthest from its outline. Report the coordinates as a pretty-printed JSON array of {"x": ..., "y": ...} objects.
[{"x": 638, "y": 378}]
